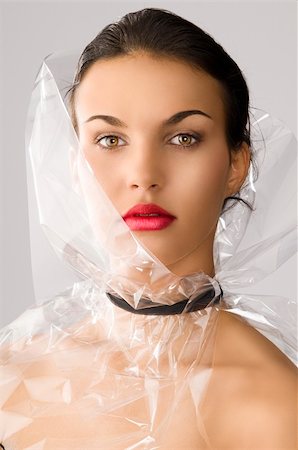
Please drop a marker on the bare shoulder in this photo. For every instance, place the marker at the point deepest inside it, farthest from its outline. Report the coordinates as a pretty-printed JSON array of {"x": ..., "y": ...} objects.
[
  {"x": 239, "y": 343},
  {"x": 253, "y": 390}
]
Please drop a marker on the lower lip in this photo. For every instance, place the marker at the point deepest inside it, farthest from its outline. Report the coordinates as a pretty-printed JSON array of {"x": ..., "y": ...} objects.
[{"x": 148, "y": 223}]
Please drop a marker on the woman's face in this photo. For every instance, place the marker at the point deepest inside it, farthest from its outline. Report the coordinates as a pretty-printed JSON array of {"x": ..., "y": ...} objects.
[{"x": 141, "y": 156}]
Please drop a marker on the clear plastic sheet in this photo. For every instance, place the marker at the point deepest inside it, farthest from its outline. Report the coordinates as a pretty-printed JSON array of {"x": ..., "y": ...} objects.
[
  {"x": 96, "y": 241},
  {"x": 78, "y": 371}
]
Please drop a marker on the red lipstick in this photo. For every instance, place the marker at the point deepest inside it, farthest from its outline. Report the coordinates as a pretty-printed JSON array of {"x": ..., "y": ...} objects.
[{"x": 148, "y": 217}]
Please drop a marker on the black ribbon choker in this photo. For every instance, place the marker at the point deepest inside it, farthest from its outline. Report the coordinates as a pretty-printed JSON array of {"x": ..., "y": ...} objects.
[{"x": 199, "y": 302}]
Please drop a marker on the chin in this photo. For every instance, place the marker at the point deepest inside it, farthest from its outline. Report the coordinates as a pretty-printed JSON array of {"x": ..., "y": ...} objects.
[{"x": 165, "y": 249}]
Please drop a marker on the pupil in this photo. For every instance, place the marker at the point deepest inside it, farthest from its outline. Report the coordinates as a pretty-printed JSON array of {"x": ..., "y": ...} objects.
[
  {"x": 185, "y": 139},
  {"x": 113, "y": 140}
]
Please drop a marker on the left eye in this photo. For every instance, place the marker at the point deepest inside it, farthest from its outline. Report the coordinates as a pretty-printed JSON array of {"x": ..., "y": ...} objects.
[{"x": 186, "y": 139}]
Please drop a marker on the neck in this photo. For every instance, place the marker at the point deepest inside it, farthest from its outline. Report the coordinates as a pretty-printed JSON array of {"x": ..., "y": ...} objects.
[
  {"x": 171, "y": 339},
  {"x": 144, "y": 342},
  {"x": 199, "y": 259},
  {"x": 149, "y": 281}
]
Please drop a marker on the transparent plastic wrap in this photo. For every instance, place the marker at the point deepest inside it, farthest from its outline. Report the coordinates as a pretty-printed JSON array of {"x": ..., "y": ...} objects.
[{"x": 119, "y": 360}]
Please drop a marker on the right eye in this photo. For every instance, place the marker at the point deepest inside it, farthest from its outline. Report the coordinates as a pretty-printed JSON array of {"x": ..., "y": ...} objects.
[{"x": 108, "y": 141}]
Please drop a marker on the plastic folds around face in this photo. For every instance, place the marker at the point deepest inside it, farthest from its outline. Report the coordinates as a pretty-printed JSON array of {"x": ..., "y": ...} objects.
[
  {"x": 79, "y": 372},
  {"x": 81, "y": 221}
]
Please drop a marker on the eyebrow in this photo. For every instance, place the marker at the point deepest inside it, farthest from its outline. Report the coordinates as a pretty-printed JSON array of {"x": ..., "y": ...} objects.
[{"x": 176, "y": 118}]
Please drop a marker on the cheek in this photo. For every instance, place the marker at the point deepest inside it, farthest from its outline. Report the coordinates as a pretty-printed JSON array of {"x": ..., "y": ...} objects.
[
  {"x": 200, "y": 199},
  {"x": 203, "y": 184},
  {"x": 104, "y": 170}
]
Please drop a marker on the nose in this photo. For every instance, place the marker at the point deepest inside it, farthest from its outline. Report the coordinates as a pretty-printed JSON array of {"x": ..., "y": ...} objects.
[{"x": 144, "y": 169}]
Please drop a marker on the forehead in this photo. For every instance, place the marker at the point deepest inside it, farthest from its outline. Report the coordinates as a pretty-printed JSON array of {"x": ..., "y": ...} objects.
[{"x": 143, "y": 84}]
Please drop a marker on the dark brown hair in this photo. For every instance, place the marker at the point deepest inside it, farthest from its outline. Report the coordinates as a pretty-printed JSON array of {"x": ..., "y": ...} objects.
[{"x": 162, "y": 33}]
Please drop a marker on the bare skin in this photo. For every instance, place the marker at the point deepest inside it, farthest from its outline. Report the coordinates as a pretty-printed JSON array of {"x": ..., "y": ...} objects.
[
  {"x": 253, "y": 390},
  {"x": 249, "y": 403}
]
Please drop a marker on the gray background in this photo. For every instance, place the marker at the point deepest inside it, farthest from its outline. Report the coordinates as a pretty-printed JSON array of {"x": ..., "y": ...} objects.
[{"x": 260, "y": 35}]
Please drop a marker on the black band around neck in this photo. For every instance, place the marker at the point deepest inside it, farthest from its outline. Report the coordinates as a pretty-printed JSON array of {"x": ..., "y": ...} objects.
[{"x": 199, "y": 302}]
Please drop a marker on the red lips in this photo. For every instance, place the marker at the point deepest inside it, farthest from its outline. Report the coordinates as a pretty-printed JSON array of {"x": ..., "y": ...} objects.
[
  {"x": 145, "y": 209},
  {"x": 148, "y": 217}
]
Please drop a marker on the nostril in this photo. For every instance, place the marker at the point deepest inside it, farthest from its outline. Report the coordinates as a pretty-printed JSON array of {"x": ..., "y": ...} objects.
[{"x": 137, "y": 186}]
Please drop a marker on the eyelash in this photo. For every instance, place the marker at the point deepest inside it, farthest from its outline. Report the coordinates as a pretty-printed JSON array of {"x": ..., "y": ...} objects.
[{"x": 196, "y": 136}]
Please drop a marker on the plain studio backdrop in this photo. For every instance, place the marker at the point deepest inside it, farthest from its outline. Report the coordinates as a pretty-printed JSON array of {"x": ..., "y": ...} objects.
[{"x": 260, "y": 35}]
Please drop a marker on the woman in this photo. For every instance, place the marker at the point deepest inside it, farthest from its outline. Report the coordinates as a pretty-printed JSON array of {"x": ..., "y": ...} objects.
[{"x": 160, "y": 114}]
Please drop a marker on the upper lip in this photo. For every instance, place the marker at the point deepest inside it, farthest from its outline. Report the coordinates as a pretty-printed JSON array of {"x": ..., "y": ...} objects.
[{"x": 147, "y": 208}]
